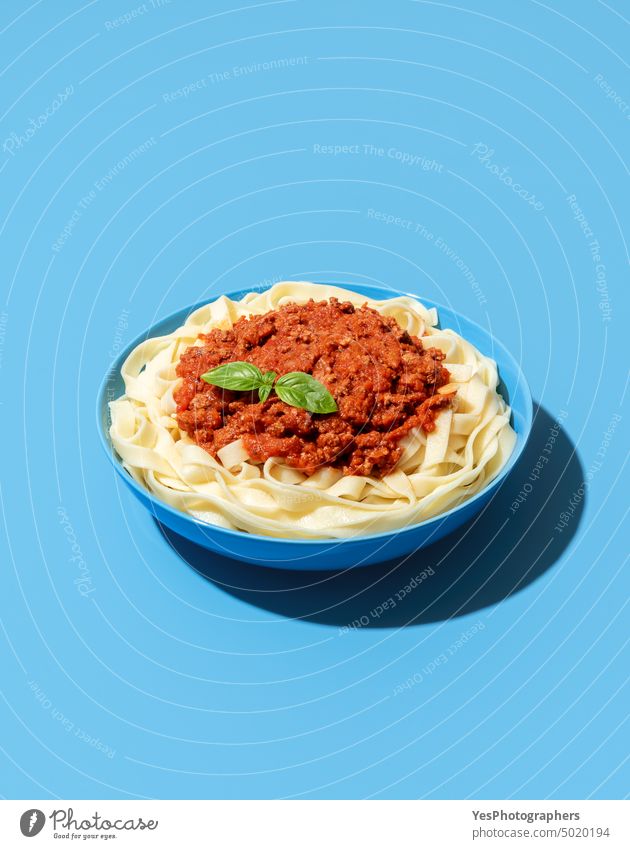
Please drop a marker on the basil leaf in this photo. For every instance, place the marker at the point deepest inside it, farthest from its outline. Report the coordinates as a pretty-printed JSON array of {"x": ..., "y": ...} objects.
[
  {"x": 238, "y": 376},
  {"x": 264, "y": 390},
  {"x": 296, "y": 388},
  {"x": 301, "y": 390}
]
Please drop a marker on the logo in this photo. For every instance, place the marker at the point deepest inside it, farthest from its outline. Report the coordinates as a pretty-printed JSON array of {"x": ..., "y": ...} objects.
[{"x": 32, "y": 822}]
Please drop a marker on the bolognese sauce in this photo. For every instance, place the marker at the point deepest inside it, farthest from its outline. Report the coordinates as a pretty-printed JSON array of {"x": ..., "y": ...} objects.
[{"x": 384, "y": 381}]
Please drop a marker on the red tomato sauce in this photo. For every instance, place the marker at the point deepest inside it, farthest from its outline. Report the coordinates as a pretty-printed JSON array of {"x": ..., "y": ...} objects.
[{"x": 384, "y": 381}]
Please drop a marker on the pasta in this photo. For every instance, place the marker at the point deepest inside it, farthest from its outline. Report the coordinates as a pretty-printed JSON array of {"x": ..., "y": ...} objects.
[{"x": 471, "y": 441}]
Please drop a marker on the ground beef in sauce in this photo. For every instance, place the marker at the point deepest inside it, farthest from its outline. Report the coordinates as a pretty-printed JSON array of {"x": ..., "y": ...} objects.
[{"x": 383, "y": 380}]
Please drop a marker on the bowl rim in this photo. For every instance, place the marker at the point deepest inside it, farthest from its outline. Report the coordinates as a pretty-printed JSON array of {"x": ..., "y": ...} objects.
[{"x": 237, "y": 294}]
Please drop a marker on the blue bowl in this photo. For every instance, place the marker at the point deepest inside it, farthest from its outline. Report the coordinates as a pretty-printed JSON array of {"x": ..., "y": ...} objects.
[{"x": 329, "y": 554}]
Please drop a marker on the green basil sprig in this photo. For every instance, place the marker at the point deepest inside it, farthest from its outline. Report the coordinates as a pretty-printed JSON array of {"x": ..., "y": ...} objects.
[{"x": 295, "y": 388}]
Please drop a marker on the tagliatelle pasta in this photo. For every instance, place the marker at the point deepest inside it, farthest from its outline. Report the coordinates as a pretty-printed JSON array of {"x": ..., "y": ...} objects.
[{"x": 471, "y": 442}]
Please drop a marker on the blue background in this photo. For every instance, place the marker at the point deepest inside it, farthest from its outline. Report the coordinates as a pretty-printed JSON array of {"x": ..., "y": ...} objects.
[{"x": 134, "y": 665}]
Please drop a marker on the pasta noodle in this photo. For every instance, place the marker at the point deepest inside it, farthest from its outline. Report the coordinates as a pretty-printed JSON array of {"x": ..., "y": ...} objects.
[{"x": 437, "y": 471}]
